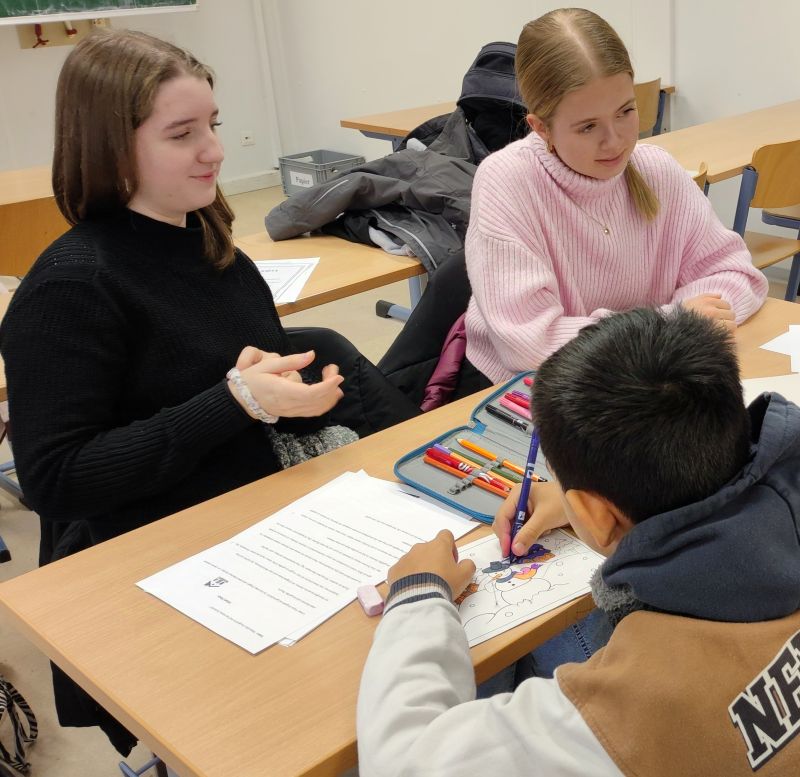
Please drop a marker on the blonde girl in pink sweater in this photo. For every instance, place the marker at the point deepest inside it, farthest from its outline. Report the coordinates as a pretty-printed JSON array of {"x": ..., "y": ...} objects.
[{"x": 577, "y": 221}]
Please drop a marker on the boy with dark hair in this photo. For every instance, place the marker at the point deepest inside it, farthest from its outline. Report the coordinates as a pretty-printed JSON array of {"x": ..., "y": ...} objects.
[{"x": 695, "y": 500}]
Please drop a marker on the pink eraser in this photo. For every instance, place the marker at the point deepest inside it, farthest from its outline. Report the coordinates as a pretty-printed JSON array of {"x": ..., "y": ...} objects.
[{"x": 370, "y": 599}]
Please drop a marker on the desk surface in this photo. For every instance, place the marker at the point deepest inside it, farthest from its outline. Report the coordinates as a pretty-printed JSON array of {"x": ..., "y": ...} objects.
[
  {"x": 344, "y": 268},
  {"x": 205, "y": 705},
  {"x": 400, "y": 123},
  {"x": 32, "y": 183},
  {"x": 727, "y": 145}
]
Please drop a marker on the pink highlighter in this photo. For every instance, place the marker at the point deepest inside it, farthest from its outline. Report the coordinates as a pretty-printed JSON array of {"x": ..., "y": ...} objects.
[{"x": 515, "y": 408}]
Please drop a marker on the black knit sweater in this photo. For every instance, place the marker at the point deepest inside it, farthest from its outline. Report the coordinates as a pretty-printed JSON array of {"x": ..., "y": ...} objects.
[{"x": 116, "y": 346}]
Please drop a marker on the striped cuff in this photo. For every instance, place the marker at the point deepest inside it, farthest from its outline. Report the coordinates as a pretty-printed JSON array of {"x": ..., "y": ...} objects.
[{"x": 415, "y": 588}]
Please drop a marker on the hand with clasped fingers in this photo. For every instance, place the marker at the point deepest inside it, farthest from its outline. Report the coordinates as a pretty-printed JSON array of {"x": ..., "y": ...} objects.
[
  {"x": 714, "y": 307},
  {"x": 275, "y": 383}
]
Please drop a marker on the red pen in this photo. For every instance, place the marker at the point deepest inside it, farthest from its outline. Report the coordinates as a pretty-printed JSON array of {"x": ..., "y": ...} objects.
[
  {"x": 521, "y": 397},
  {"x": 517, "y": 400}
]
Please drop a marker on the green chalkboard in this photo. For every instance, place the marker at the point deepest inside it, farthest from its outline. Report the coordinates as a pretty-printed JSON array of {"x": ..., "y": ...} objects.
[{"x": 10, "y": 9}]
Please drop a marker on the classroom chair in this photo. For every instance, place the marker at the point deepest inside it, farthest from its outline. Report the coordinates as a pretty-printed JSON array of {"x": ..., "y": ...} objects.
[
  {"x": 770, "y": 181},
  {"x": 783, "y": 217},
  {"x": 8, "y": 468},
  {"x": 650, "y": 104}
]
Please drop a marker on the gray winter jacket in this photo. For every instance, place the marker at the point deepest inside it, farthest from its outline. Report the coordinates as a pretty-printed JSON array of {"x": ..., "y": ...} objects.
[{"x": 421, "y": 198}]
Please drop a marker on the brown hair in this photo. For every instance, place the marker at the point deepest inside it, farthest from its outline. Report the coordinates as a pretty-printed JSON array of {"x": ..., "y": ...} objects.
[
  {"x": 106, "y": 89},
  {"x": 565, "y": 50}
]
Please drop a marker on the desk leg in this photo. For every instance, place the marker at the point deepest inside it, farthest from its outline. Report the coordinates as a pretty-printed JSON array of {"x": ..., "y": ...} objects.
[
  {"x": 662, "y": 100},
  {"x": 128, "y": 772},
  {"x": 416, "y": 286},
  {"x": 393, "y": 139},
  {"x": 7, "y": 483}
]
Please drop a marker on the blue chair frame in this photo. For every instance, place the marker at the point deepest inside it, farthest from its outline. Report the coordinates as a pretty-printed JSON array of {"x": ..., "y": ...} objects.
[{"x": 746, "y": 192}]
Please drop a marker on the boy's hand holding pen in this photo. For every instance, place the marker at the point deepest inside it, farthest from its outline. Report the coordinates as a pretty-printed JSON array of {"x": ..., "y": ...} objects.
[{"x": 545, "y": 511}]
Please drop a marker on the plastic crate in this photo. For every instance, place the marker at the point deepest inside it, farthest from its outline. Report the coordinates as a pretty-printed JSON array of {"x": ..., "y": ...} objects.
[{"x": 302, "y": 171}]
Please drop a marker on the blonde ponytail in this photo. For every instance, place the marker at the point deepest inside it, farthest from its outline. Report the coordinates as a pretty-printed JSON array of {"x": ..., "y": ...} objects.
[{"x": 644, "y": 199}]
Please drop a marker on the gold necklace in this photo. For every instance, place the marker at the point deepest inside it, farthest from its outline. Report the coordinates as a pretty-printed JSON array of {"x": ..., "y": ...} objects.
[{"x": 604, "y": 227}]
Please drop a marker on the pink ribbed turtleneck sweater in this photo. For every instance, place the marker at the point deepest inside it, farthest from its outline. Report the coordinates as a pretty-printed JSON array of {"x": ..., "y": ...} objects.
[{"x": 541, "y": 267}]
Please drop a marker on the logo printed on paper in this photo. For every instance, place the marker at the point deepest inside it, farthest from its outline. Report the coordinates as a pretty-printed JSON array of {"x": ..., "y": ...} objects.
[{"x": 216, "y": 582}]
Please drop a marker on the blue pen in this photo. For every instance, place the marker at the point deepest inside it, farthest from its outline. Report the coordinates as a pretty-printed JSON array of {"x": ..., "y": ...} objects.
[{"x": 522, "y": 504}]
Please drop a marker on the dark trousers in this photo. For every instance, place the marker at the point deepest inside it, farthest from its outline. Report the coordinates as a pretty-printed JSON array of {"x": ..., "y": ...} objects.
[{"x": 370, "y": 403}]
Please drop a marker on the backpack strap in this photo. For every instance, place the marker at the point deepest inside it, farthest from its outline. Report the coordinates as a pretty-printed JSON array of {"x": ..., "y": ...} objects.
[{"x": 24, "y": 725}]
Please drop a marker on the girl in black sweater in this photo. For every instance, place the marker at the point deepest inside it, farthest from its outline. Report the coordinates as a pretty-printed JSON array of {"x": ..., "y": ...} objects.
[{"x": 147, "y": 368}]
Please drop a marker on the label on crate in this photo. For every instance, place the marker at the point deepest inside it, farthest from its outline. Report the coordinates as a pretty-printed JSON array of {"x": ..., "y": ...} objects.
[{"x": 301, "y": 179}]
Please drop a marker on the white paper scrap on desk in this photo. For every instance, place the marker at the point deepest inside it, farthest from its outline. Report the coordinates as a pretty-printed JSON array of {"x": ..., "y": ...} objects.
[
  {"x": 286, "y": 277},
  {"x": 787, "y": 343},
  {"x": 786, "y": 385},
  {"x": 304, "y": 562},
  {"x": 502, "y": 595}
]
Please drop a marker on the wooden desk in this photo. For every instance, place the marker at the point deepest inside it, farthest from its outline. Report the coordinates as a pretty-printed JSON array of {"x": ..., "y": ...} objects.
[
  {"x": 205, "y": 705},
  {"x": 397, "y": 124},
  {"x": 29, "y": 218},
  {"x": 30, "y": 221},
  {"x": 727, "y": 145},
  {"x": 344, "y": 268}
]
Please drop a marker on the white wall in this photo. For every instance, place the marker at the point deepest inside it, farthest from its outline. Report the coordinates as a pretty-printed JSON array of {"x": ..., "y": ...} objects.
[
  {"x": 734, "y": 56},
  {"x": 354, "y": 57},
  {"x": 222, "y": 33},
  {"x": 326, "y": 61}
]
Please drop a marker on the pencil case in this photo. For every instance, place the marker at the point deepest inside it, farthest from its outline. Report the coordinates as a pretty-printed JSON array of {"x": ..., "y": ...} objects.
[{"x": 497, "y": 429}]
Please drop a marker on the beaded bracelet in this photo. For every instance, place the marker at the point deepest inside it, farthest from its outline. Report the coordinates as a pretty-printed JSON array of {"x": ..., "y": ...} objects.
[{"x": 252, "y": 404}]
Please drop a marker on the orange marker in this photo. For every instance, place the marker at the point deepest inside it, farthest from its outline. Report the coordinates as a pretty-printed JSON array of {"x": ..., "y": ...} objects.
[{"x": 470, "y": 446}]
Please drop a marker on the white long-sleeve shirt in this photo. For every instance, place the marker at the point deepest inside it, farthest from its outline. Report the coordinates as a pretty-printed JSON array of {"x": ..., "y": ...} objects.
[{"x": 417, "y": 713}]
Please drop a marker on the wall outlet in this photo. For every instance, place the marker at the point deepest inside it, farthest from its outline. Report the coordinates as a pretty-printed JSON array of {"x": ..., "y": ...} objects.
[{"x": 248, "y": 139}]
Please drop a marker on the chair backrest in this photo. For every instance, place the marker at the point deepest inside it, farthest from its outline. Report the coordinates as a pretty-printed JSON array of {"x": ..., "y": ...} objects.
[
  {"x": 778, "y": 168},
  {"x": 647, "y": 96},
  {"x": 771, "y": 180}
]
